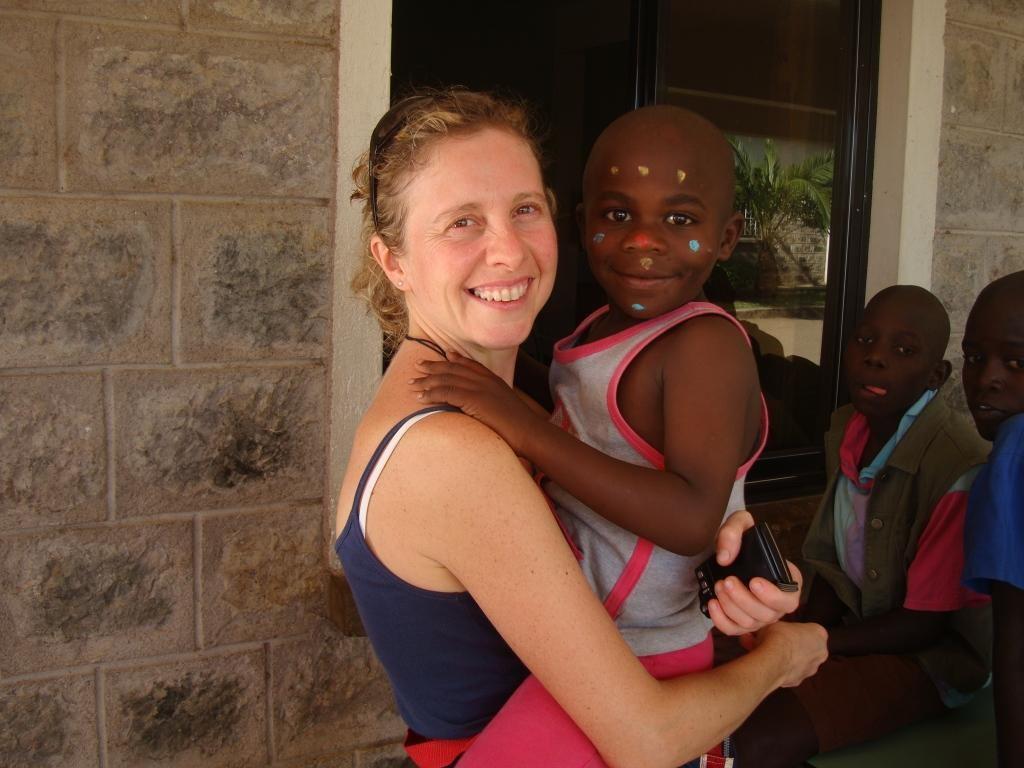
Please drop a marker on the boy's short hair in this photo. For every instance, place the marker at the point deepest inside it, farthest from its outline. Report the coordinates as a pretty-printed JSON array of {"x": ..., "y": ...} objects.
[
  {"x": 667, "y": 119},
  {"x": 929, "y": 314}
]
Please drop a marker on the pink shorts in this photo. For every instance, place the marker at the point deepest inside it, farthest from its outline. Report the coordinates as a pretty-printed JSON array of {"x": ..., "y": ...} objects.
[{"x": 533, "y": 730}]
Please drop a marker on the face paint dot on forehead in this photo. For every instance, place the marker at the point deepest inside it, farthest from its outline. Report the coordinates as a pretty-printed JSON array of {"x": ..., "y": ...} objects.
[
  {"x": 681, "y": 175},
  {"x": 646, "y": 263},
  {"x": 694, "y": 246},
  {"x": 639, "y": 307},
  {"x": 614, "y": 170},
  {"x": 643, "y": 170},
  {"x": 599, "y": 237}
]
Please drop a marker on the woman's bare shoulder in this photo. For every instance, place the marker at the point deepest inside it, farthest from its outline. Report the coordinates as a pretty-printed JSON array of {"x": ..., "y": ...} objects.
[{"x": 460, "y": 450}]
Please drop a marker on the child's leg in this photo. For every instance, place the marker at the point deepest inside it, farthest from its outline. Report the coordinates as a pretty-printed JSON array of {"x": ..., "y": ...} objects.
[{"x": 848, "y": 701}]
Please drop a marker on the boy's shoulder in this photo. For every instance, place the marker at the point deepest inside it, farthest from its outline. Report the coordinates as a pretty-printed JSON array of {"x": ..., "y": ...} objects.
[{"x": 939, "y": 438}]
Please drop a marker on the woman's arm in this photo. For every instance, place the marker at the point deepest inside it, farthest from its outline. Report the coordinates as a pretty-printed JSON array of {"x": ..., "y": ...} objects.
[
  {"x": 709, "y": 387},
  {"x": 496, "y": 535}
]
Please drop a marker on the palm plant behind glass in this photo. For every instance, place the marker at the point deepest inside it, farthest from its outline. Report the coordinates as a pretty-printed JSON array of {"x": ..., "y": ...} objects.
[{"x": 777, "y": 199}]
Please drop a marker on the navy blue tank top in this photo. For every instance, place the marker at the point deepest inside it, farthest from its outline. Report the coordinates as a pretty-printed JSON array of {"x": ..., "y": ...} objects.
[{"x": 450, "y": 669}]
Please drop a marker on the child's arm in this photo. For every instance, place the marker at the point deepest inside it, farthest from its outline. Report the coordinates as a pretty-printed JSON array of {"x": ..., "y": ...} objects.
[
  {"x": 898, "y": 631},
  {"x": 531, "y": 377},
  {"x": 709, "y": 402},
  {"x": 1008, "y": 670},
  {"x": 823, "y": 605}
]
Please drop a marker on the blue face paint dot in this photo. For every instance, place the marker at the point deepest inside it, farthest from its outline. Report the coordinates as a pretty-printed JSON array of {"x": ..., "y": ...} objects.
[
  {"x": 694, "y": 246},
  {"x": 638, "y": 307},
  {"x": 599, "y": 237}
]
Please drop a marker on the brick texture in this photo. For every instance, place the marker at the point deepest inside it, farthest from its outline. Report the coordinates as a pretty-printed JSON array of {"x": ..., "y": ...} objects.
[
  {"x": 159, "y": 112},
  {"x": 209, "y": 712},
  {"x": 49, "y": 724},
  {"x": 316, "y": 18},
  {"x": 84, "y": 281},
  {"x": 263, "y": 575},
  {"x": 255, "y": 282},
  {"x": 28, "y": 150},
  {"x": 82, "y": 596},
  {"x": 194, "y": 439}
]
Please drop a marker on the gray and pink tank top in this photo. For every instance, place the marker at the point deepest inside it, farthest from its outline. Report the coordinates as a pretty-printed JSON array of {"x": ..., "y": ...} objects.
[{"x": 661, "y": 613}]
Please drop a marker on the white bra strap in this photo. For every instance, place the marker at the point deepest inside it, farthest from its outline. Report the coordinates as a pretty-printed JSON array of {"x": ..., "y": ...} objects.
[{"x": 371, "y": 481}]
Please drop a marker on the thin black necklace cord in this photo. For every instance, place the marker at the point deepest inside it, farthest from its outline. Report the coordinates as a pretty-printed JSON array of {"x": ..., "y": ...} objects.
[{"x": 429, "y": 344}]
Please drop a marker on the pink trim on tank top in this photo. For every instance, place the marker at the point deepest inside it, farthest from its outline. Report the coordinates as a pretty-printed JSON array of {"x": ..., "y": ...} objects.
[
  {"x": 565, "y": 352},
  {"x": 641, "y": 446},
  {"x": 635, "y": 567}
]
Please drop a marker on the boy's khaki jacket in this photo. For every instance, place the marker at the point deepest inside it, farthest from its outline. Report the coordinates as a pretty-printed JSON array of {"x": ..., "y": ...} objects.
[{"x": 937, "y": 449}]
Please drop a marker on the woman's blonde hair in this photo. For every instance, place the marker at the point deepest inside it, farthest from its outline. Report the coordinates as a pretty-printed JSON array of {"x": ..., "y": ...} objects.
[{"x": 418, "y": 123}]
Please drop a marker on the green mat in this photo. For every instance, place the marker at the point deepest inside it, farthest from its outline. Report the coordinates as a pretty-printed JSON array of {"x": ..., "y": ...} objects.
[{"x": 964, "y": 737}]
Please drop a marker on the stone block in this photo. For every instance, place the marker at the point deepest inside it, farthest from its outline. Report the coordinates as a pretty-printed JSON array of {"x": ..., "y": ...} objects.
[
  {"x": 330, "y": 695},
  {"x": 209, "y": 712},
  {"x": 958, "y": 272},
  {"x": 263, "y": 574},
  {"x": 163, "y": 11},
  {"x": 1005, "y": 255},
  {"x": 28, "y": 145},
  {"x": 975, "y": 78},
  {"x": 1014, "y": 118},
  {"x": 213, "y": 439},
  {"x": 315, "y": 18},
  {"x": 84, "y": 281},
  {"x": 981, "y": 181},
  {"x": 98, "y": 594},
  {"x": 162, "y": 112},
  {"x": 997, "y": 15},
  {"x": 963, "y": 264},
  {"x": 49, "y": 724},
  {"x": 53, "y": 462},
  {"x": 255, "y": 281}
]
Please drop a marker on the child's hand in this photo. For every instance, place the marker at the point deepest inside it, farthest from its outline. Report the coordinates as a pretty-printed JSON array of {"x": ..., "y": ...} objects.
[
  {"x": 737, "y": 610},
  {"x": 471, "y": 387}
]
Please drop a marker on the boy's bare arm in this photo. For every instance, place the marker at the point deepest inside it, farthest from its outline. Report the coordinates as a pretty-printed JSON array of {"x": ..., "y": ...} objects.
[
  {"x": 823, "y": 605},
  {"x": 679, "y": 509},
  {"x": 1008, "y": 671},
  {"x": 898, "y": 631}
]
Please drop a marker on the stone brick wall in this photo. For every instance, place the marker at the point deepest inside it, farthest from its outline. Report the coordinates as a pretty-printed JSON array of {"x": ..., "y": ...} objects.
[
  {"x": 167, "y": 203},
  {"x": 980, "y": 209}
]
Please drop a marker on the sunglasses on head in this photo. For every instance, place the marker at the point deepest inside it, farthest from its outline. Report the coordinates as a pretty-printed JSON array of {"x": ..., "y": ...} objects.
[{"x": 383, "y": 134}]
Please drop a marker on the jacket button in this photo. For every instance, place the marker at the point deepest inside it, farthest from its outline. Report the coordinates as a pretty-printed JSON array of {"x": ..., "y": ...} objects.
[
  {"x": 877, "y": 523},
  {"x": 872, "y": 574},
  {"x": 883, "y": 476}
]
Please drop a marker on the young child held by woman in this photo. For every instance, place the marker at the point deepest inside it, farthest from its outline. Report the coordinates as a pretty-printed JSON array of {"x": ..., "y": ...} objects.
[
  {"x": 658, "y": 413},
  {"x": 885, "y": 548},
  {"x": 993, "y": 375}
]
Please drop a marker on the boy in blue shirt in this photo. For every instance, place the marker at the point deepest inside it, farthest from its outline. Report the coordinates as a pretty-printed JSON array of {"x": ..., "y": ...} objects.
[{"x": 993, "y": 376}]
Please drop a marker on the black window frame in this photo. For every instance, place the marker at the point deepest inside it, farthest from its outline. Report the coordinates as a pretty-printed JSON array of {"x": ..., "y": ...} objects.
[{"x": 787, "y": 473}]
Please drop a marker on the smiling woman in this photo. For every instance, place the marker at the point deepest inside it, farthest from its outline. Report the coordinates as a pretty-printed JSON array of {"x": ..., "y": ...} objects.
[{"x": 460, "y": 572}]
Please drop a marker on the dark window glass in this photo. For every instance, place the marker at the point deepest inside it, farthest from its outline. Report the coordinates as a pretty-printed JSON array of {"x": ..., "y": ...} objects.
[
  {"x": 768, "y": 75},
  {"x": 790, "y": 81}
]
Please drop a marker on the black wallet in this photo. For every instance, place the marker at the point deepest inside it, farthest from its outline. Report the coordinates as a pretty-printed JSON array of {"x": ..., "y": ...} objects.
[{"x": 759, "y": 556}]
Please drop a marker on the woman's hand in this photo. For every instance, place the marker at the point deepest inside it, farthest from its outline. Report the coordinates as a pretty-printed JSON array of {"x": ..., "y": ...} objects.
[
  {"x": 737, "y": 610},
  {"x": 805, "y": 648},
  {"x": 477, "y": 392}
]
